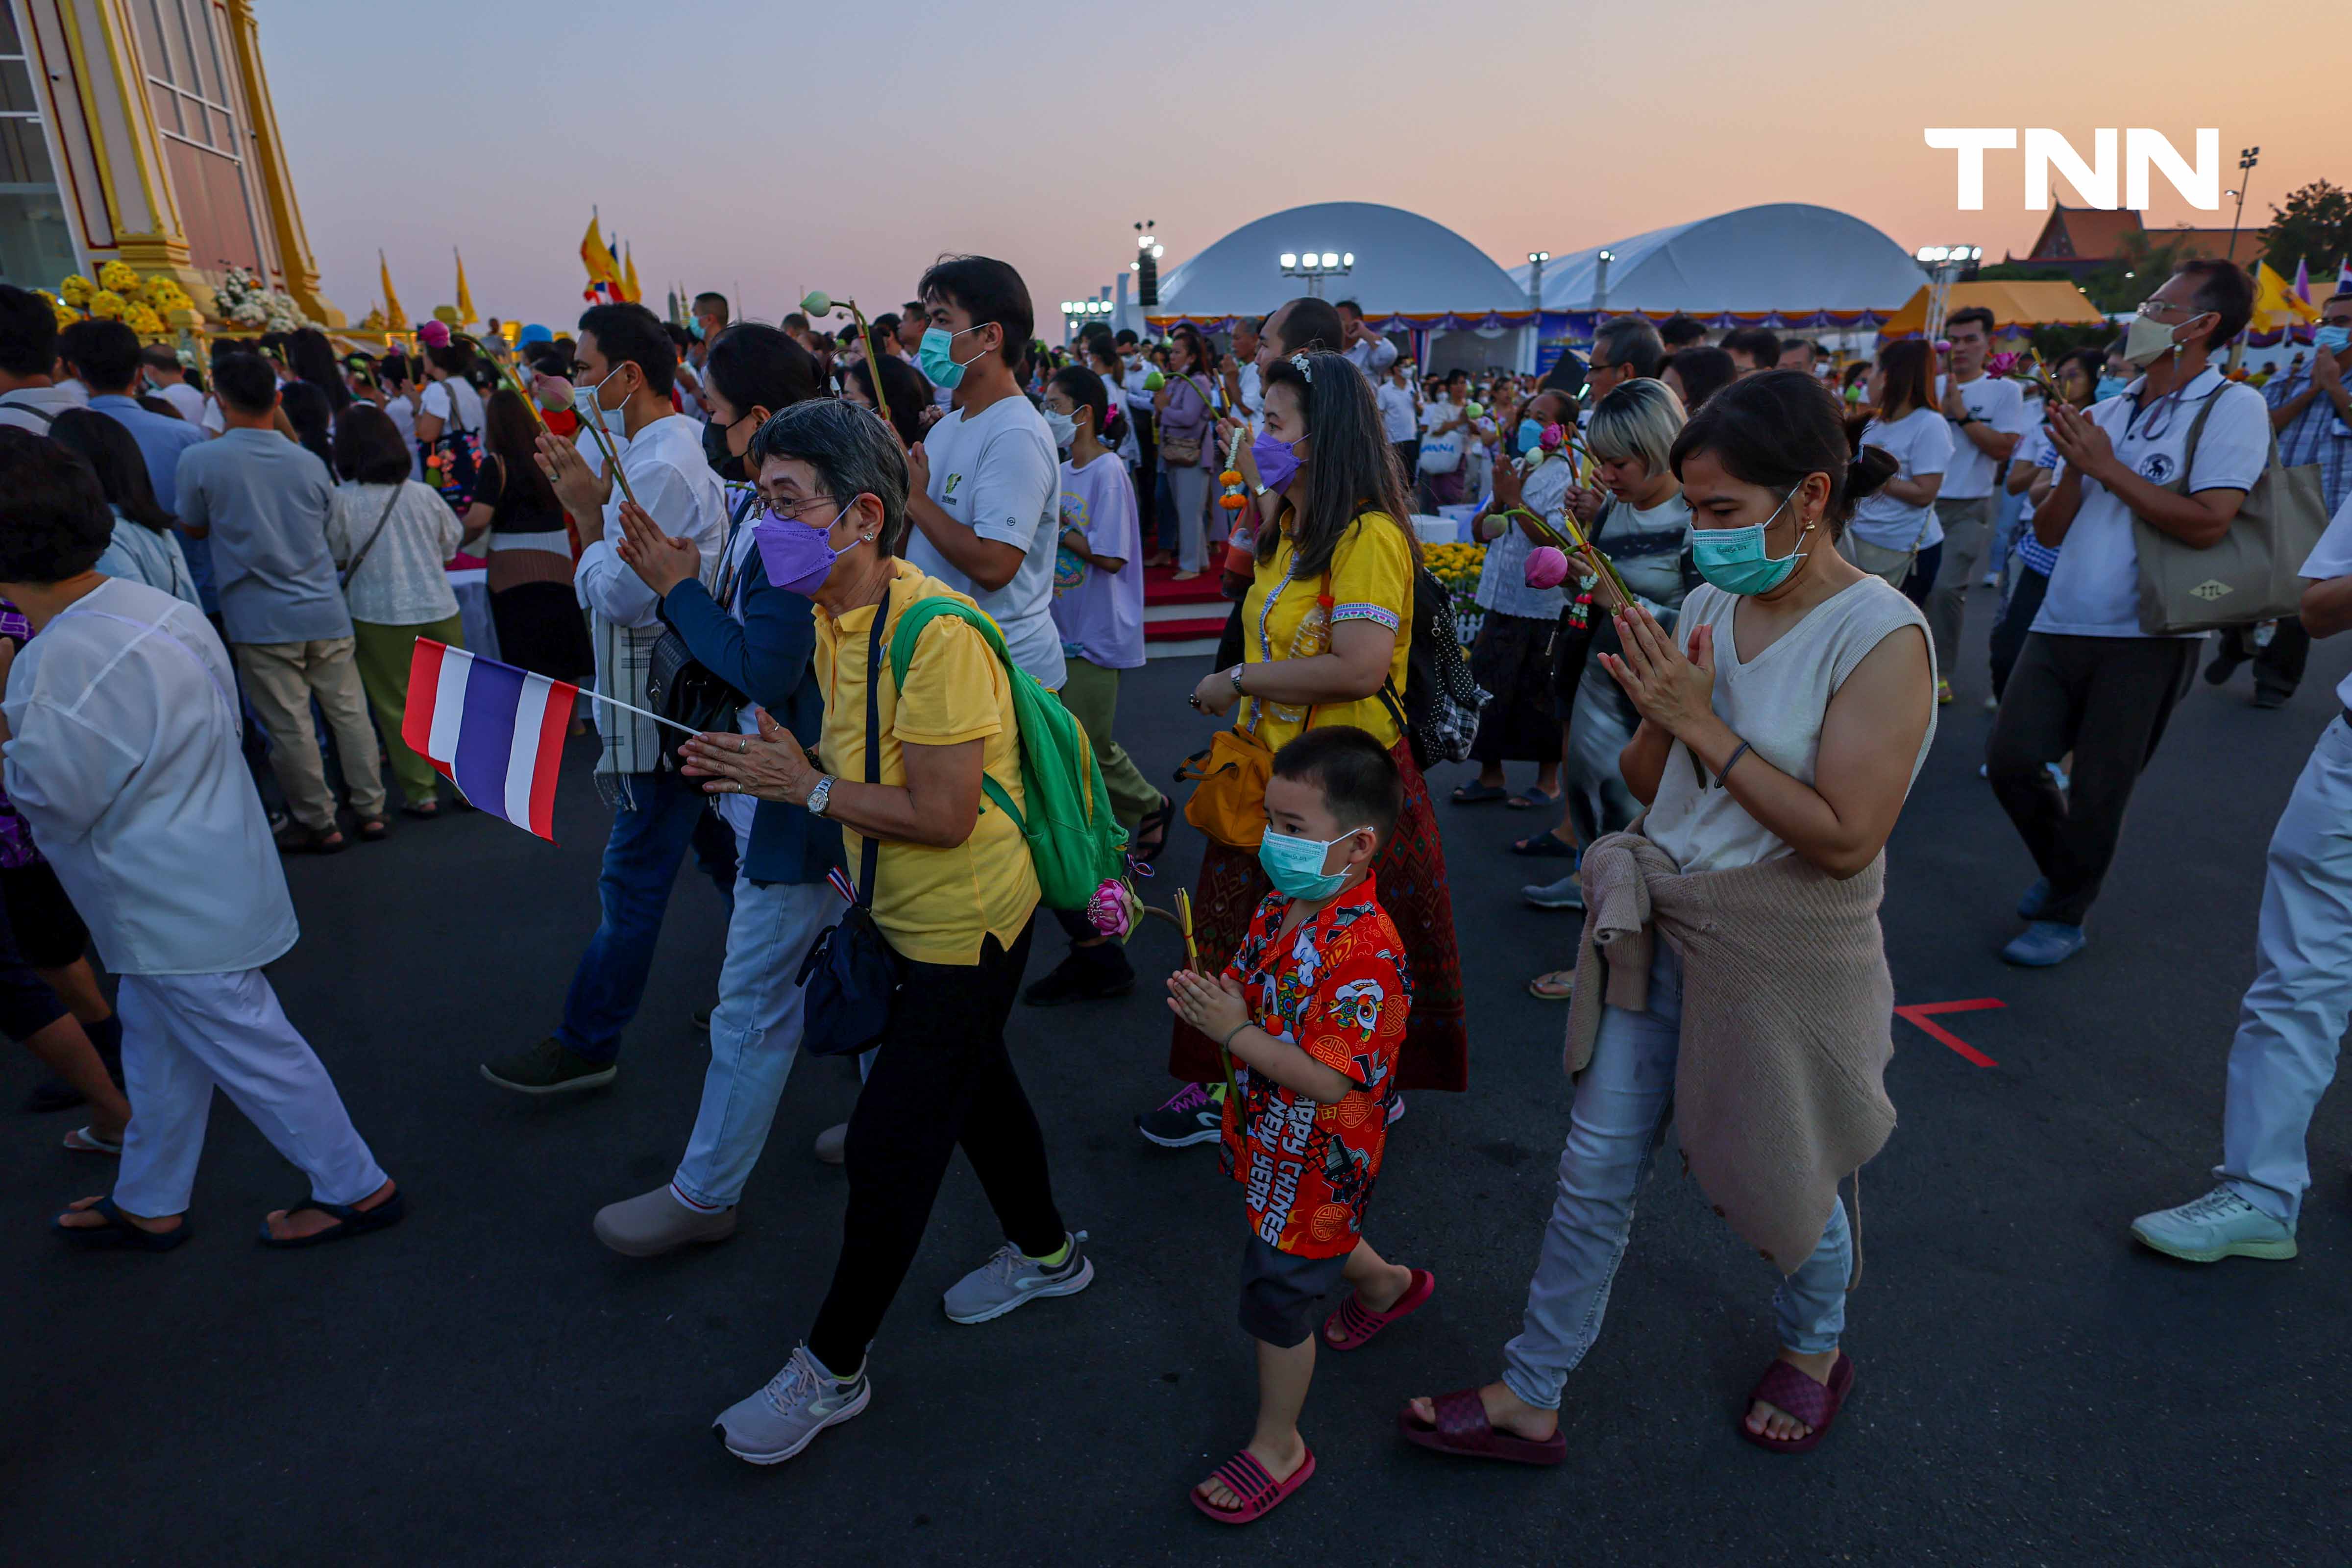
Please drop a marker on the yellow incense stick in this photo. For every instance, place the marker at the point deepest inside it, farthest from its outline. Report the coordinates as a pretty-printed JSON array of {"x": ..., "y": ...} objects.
[{"x": 1193, "y": 962}]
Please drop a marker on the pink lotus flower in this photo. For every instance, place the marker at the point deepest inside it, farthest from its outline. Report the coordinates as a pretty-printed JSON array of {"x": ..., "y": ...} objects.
[
  {"x": 1552, "y": 438},
  {"x": 2004, "y": 363},
  {"x": 1546, "y": 564},
  {"x": 1112, "y": 909},
  {"x": 433, "y": 334}
]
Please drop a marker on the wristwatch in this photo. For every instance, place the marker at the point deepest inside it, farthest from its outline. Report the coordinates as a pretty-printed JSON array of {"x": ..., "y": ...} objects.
[
  {"x": 1965, "y": 420},
  {"x": 1234, "y": 675},
  {"x": 820, "y": 795}
]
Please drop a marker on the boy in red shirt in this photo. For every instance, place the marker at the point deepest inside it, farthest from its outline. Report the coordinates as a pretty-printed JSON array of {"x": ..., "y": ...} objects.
[{"x": 1311, "y": 1010}]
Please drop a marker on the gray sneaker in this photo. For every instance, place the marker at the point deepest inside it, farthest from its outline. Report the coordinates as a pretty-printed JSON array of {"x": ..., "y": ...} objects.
[
  {"x": 1009, "y": 1278},
  {"x": 1568, "y": 893},
  {"x": 2218, "y": 1225},
  {"x": 786, "y": 1417}
]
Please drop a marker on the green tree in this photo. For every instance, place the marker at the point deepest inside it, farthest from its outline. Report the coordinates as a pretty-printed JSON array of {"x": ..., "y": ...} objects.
[
  {"x": 2315, "y": 227},
  {"x": 2141, "y": 262}
]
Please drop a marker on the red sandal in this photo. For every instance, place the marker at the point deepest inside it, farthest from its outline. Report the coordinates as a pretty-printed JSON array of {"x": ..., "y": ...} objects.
[
  {"x": 1462, "y": 1429},
  {"x": 1815, "y": 1404},
  {"x": 1357, "y": 1323},
  {"x": 1248, "y": 1479}
]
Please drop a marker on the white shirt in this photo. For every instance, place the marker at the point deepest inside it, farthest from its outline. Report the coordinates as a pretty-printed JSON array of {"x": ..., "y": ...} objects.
[
  {"x": 2095, "y": 590},
  {"x": 2331, "y": 557},
  {"x": 402, "y": 412},
  {"x": 1372, "y": 358},
  {"x": 186, "y": 399},
  {"x": 1777, "y": 701},
  {"x": 123, "y": 757},
  {"x": 1254, "y": 397},
  {"x": 2000, "y": 403},
  {"x": 17, "y": 408},
  {"x": 1502, "y": 576},
  {"x": 1920, "y": 443},
  {"x": 997, "y": 473},
  {"x": 1396, "y": 411},
  {"x": 402, "y": 580},
  {"x": 436, "y": 402}
]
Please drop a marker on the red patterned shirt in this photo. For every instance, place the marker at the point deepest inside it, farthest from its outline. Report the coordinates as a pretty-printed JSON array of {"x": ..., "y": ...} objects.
[{"x": 1340, "y": 991}]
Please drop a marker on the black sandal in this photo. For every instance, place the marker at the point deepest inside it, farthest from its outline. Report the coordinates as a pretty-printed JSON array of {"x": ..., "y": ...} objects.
[
  {"x": 1156, "y": 821},
  {"x": 374, "y": 830},
  {"x": 296, "y": 839},
  {"x": 118, "y": 1231},
  {"x": 350, "y": 1222},
  {"x": 424, "y": 812}
]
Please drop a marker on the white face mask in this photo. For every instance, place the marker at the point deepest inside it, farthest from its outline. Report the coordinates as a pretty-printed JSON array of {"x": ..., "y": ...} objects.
[
  {"x": 586, "y": 404},
  {"x": 1063, "y": 427},
  {"x": 2147, "y": 340}
]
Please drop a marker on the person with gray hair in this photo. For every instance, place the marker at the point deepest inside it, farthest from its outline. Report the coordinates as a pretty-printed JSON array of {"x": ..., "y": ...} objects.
[
  {"x": 1639, "y": 518},
  {"x": 950, "y": 890},
  {"x": 1624, "y": 348}
]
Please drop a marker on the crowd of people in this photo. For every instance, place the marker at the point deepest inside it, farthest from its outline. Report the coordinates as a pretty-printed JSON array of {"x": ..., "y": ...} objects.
[{"x": 876, "y": 548}]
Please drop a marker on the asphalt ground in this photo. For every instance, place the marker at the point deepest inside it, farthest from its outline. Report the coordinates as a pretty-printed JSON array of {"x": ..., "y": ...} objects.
[{"x": 486, "y": 1385}]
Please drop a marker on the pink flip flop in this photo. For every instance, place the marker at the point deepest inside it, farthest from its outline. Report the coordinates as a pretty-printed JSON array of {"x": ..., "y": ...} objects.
[
  {"x": 1813, "y": 1403},
  {"x": 1260, "y": 1493},
  {"x": 1357, "y": 1323},
  {"x": 1463, "y": 1428}
]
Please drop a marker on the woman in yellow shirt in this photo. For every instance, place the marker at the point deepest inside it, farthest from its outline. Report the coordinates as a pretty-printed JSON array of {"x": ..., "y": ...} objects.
[
  {"x": 953, "y": 893},
  {"x": 1326, "y": 630}
]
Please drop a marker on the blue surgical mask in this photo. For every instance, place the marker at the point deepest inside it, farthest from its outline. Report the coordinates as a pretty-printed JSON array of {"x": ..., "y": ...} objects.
[
  {"x": 1295, "y": 865},
  {"x": 1735, "y": 559},
  {"x": 935, "y": 359},
  {"x": 2109, "y": 386},
  {"x": 1530, "y": 435},
  {"x": 2332, "y": 338}
]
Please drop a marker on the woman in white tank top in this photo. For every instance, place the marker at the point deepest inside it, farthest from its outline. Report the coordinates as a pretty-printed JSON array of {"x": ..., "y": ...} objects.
[{"x": 1786, "y": 716}]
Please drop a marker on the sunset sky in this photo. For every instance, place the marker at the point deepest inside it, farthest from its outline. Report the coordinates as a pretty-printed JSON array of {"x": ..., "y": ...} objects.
[{"x": 766, "y": 148}]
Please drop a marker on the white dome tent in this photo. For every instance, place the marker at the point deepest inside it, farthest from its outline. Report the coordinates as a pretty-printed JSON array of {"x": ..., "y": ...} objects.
[
  {"x": 1786, "y": 263},
  {"x": 1410, "y": 274}
]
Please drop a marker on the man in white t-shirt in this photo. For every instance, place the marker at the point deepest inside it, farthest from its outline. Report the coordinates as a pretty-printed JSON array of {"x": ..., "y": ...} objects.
[
  {"x": 985, "y": 483},
  {"x": 2294, "y": 1015},
  {"x": 2089, "y": 681},
  {"x": 1244, "y": 387},
  {"x": 1988, "y": 420},
  {"x": 1400, "y": 407},
  {"x": 1367, "y": 350},
  {"x": 169, "y": 380}
]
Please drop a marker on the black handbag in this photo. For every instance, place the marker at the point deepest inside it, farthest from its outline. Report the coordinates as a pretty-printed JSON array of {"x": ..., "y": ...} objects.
[
  {"x": 679, "y": 686},
  {"x": 850, "y": 973}
]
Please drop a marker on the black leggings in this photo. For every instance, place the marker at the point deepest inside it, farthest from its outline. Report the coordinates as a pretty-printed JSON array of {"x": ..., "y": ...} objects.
[
  {"x": 27, "y": 1006},
  {"x": 942, "y": 1078}
]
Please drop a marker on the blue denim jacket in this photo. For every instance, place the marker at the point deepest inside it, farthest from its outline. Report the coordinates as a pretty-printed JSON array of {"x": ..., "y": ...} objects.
[{"x": 768, "y": 658}]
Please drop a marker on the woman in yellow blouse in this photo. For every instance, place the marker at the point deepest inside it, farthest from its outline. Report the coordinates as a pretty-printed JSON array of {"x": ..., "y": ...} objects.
[
  {"x": 953, "y": 893},
  {"x": 1326, "y": 630}
]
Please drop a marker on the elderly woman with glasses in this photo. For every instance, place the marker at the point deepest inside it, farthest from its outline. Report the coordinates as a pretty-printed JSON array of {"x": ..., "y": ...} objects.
[
  {"x": 754, "y": 629},
  {"x": 951, "y": 891}
]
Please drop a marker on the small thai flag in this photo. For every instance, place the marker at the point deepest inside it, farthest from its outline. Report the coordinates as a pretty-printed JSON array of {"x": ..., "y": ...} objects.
[{"x": 495, "y": 731}]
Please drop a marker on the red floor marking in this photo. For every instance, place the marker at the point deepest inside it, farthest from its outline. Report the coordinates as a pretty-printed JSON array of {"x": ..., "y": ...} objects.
[{"x": 1919, "y": 1013}]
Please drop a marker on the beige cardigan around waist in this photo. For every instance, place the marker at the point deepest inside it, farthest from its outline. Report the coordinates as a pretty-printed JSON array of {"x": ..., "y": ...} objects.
[{"x": 1787, "y": 1024}]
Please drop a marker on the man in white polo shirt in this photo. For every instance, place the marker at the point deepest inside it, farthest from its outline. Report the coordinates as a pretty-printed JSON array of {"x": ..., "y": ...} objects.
[
  {"x": 2089, "y": 680},
  {"x": 1987, "y": 419},
  {"x": 2292, "y": 1019},
  {"x": 985, "y": 482}
]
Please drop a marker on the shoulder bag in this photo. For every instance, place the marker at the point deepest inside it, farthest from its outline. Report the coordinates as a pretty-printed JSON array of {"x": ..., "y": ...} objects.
[
  {"x": 1184, "y": 451},
  {"x": 2254, "y": 572},
  {"x": 849, "y": 974},
  {"x": 383, "y": 516}
]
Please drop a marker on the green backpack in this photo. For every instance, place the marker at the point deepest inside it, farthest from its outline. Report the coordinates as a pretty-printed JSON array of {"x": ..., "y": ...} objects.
[{"x": 1074, "y": 841}]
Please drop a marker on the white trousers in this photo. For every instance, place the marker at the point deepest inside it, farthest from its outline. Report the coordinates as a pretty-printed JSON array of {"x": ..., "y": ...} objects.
[
  {"x": 2292, "y": 1019},
  {"x": 185, "y": 1035}
]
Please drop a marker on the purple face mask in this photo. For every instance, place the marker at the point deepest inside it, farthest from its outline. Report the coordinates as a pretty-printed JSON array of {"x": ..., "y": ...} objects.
[
  {"x": 1277, "y": 465},
  {"x": 798, "y": 558}
]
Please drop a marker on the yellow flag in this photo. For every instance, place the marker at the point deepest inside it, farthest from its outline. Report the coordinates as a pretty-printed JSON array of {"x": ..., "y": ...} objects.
[
  {"x": 596, "y": 257},
  {"x": 396, "y": 320},
  {"x": 2275, "y": 304},
  {"x": 466, "y": 316},
  {"x": 629, "y": 290}
]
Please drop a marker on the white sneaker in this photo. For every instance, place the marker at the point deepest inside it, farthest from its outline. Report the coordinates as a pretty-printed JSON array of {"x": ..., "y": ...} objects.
[
  {"x": 1012, "y": 1278},
  {"x": 2218, "y": 1225},
  {"x": 786, "y": 1417}
]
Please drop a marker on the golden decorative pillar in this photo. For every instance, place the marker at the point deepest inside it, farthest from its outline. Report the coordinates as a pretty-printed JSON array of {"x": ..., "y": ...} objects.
[
  {"x": 272, "y": 183},
  {"x": 129, "y": 151}
]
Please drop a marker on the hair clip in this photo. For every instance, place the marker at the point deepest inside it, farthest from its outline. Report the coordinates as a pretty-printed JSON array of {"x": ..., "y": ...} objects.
[{"x": 1298, "y": 362}]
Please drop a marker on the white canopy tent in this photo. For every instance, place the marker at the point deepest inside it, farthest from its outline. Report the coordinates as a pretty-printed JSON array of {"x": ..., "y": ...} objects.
[
  {"x": 1411, "y": 275},
  {"x": 1784, "y": 263}
]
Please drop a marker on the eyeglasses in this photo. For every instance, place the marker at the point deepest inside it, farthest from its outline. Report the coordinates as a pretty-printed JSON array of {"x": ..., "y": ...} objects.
[
  {"x": 795, "y": 510},
  {"x": 2152, "y": 307}
]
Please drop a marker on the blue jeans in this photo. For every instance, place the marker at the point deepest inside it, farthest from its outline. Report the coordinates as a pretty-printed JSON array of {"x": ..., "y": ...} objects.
[
  {"x": 754, "y": 1034},
  {"x": 661, "y": 816},
  {"x": 1616, "y": 1117}
]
